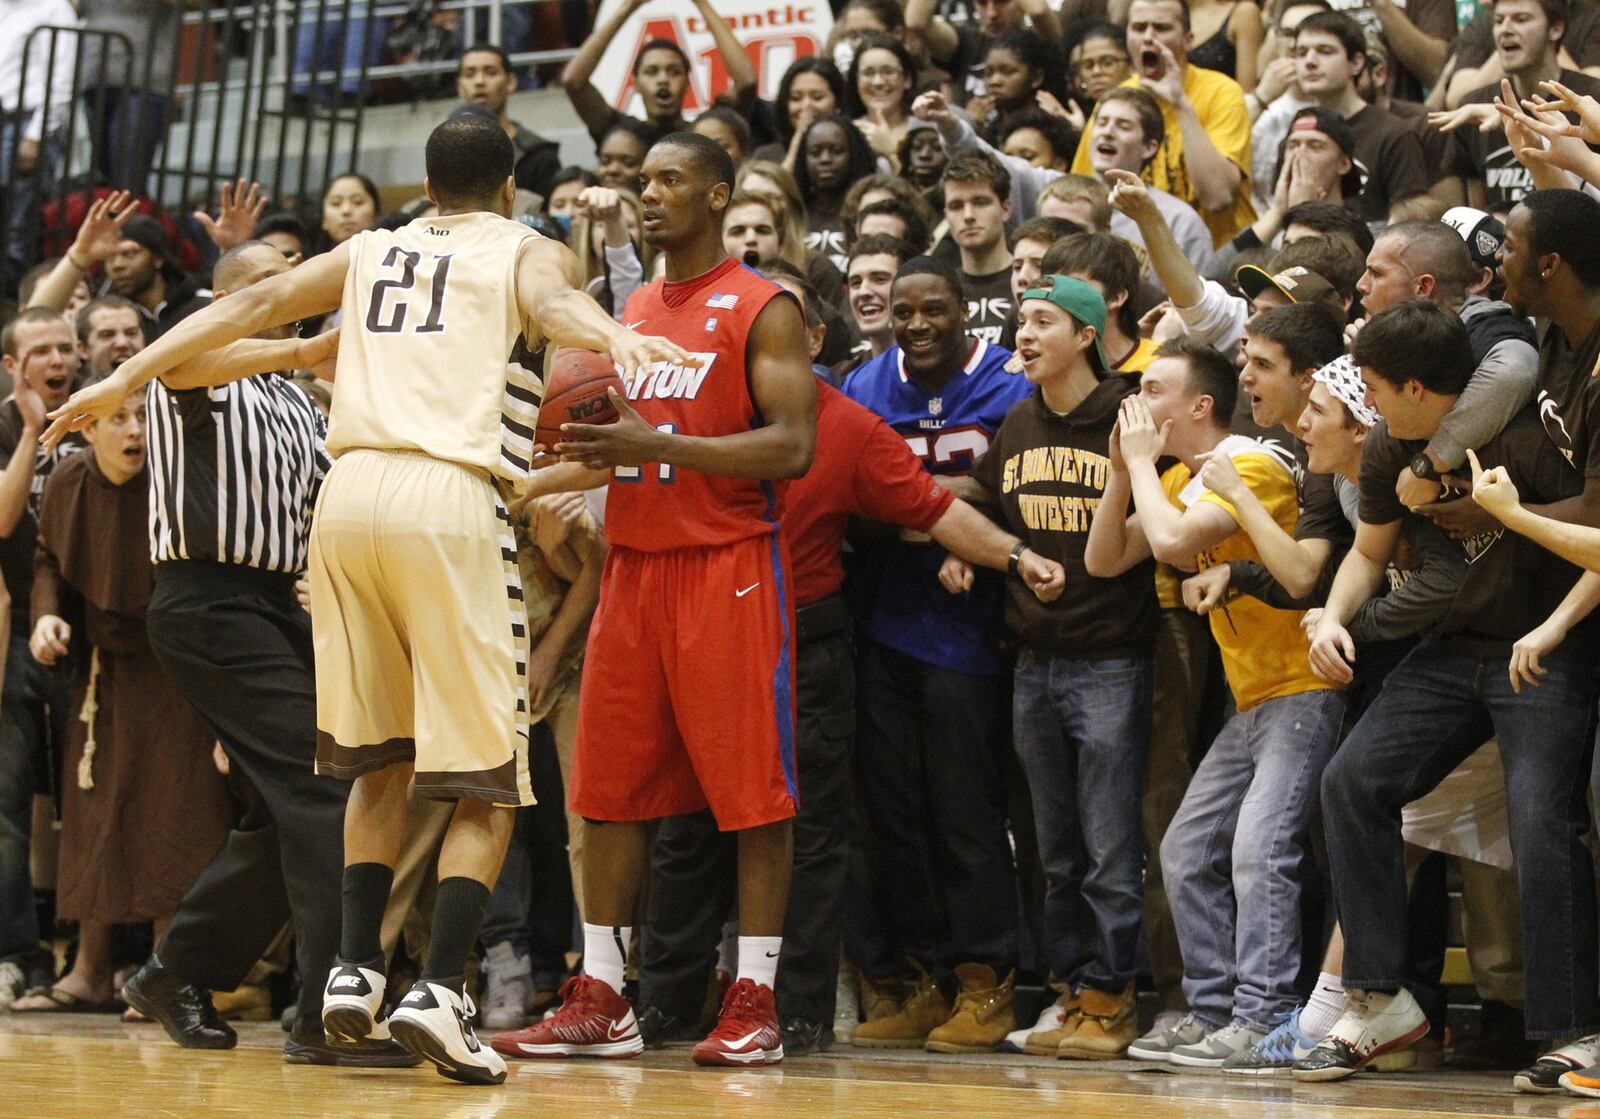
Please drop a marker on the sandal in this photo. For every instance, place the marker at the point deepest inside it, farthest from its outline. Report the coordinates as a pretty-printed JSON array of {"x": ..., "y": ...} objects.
[{"x": 63, "y": 1002}]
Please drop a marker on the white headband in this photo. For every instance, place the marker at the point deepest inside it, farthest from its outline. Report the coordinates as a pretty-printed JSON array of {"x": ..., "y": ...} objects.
[{"x": 1342, "y": 377}]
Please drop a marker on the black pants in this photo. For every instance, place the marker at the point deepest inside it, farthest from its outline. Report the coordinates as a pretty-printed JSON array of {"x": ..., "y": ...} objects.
[
  {"x": 694, "y": 868},
  {"x": 238, "y": 647},
  {"x": 929, "y": 763}
]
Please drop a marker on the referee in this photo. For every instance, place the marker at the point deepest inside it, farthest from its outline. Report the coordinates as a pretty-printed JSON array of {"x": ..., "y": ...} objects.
[{"x": 234, "y": 472}]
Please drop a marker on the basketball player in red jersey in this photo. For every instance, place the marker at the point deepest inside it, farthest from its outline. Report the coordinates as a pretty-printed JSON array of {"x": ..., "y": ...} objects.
[{"x": 688, "y": 690}]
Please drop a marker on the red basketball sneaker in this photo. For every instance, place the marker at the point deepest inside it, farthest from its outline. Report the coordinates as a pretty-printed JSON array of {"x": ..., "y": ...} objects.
[
  {"x": 594, "y": 1021},
  {"x": 747, "y": 1030}
]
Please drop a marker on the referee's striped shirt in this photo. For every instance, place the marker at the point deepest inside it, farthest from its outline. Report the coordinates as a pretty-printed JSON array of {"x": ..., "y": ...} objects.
[{"x": 234, "y": 472}]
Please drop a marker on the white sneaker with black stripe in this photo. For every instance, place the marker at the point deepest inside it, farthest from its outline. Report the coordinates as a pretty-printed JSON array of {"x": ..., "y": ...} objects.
[
  {"x": 351, "y": 1002},
  {"x": 432, "y": 1022}
]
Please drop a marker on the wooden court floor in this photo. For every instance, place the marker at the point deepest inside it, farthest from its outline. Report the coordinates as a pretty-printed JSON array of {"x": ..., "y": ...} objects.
[{"x": 80, "y": 1067}]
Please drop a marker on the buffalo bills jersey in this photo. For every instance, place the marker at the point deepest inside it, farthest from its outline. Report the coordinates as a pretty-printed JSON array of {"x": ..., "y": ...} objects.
[{"x": 901, "y": 602}]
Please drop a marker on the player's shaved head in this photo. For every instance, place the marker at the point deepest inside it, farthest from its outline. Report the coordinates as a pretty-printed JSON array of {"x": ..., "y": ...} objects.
[
  {"x": 707, "y": 156},
  {"x": 248, "y": 262},
  {"x": 469, "y": 158}
]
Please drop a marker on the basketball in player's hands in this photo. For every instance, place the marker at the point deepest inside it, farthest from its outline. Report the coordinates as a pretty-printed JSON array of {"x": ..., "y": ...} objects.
[{"x": 575, "y": 393}]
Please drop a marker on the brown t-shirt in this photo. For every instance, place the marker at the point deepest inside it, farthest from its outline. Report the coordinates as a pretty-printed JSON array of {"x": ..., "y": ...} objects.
[{"x": 1391, "y": 153}]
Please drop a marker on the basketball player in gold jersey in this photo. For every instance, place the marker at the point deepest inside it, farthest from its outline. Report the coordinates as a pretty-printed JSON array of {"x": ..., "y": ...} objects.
[{"x": 419, "y": 627}]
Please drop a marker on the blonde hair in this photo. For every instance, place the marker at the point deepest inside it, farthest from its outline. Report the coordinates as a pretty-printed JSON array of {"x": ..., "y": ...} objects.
[
  {"x": 794, "y": 251},
  {"x": 592, "y": 262},
  {"x": 794, "y": 216},
  {"x": 1086, "y": 188}
]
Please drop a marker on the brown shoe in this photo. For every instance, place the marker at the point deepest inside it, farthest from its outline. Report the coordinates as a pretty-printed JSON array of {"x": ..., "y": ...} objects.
[
  {"x": 1059, "y": 1020},
  {"x": 909, "y": 1026},
  {"x": 249, "y": 1002},
  {"x": 1107, "y": 1024},
  {"x": 982, "y": 1016},
  {"x": 880, "y": 998}
]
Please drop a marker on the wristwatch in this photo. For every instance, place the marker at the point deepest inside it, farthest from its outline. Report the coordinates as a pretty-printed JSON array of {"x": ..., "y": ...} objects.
[
  {"x": 1422, "y": 466},
  {"x": 1014, "y": 561}
]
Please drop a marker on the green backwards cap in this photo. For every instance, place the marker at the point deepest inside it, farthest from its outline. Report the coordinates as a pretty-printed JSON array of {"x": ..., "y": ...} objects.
[{"x": 1083, "y": 303}]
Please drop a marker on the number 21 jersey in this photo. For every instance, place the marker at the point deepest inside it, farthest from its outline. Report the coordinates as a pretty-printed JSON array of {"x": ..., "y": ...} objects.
[
  {"x": 428, "y": 324},
  {"x": 659, "y": 506}
]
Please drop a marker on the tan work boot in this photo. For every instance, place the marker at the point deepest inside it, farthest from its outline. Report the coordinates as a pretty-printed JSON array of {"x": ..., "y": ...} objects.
[
  {"x": 909, "y": 1026},
  {"x": 880, "y": 998},
  {"x": 1107, "y": 1024},
  {"x": 982, "y": 1016},
  {"x": 1059, "y": 1019}
]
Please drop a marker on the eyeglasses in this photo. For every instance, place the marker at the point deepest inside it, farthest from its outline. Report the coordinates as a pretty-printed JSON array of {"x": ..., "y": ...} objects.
[
  {"x": 887, "y": 73},
  {"x": 1100, "y": 62}
]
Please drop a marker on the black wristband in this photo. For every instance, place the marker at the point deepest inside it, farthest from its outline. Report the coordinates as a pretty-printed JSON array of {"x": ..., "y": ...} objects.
[{"x": 1013, "y": 562}]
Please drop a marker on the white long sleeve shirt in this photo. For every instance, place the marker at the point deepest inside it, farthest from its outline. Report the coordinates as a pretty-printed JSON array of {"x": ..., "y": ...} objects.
[{"x": 19, "y": 18}]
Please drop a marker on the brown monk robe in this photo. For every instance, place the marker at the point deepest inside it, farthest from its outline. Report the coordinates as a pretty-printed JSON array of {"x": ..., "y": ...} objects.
[{"x": 143, "y": 806}]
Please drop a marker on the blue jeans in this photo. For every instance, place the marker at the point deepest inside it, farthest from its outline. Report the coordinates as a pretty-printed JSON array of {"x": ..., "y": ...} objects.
[
  {"x": 339, "y": 47},
  {"x": 1235, "y": 853},
  {"x": 32, "y": 712},
  {"x": 1438, "y": 706},
  {"x": 20, "y": 235},
  {"x": 126, "y": 126},
  {"x": 1082, "y": 731}
]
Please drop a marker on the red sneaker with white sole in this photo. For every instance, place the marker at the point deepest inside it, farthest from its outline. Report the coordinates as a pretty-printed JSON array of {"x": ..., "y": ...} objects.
[
  {"x": 747, "y": 1030},
  {"x": 594, "y": 1021}
]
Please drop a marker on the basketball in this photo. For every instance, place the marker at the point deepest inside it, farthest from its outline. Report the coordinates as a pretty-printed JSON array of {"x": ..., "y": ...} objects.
[{"x": 575, "y": 393}]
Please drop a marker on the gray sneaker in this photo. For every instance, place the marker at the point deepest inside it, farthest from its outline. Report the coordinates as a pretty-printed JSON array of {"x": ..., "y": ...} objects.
[
  {"x": 1158, "y": 1044},
  {"x": 1217, "y": 1046}
]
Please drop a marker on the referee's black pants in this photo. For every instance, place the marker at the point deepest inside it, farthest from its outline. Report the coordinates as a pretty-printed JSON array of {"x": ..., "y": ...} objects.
[
  {"x": 238, "y": 646},
  {"x": 694, "y": 868}
]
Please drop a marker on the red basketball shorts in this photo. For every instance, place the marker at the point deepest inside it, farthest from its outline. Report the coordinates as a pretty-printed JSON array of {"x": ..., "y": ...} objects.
[{"x": 687, "y": 699}]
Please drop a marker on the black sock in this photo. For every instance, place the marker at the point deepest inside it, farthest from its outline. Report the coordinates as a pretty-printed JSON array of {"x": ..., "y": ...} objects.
[
  {"x": 457, "y": 916},
  {"x": 366, "y": 895}
]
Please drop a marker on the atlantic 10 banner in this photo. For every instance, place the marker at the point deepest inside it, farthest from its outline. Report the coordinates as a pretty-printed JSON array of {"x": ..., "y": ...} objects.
[{"x": 773, "y": 33}]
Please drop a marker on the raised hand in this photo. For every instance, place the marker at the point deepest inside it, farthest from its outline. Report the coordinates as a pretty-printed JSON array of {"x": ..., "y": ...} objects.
[
  {"x": 239, "y": 207},
  {"x": 1493, "y": 489},
  {"x": 101, "y": 230},
  {"x": 1587, "y": 109},
  {"x": 1483, "y": 116},
  {"x": 1129, "y": 194},
  {"x": 1068, "y": 112},
  {"x": 931, "y": 107}
]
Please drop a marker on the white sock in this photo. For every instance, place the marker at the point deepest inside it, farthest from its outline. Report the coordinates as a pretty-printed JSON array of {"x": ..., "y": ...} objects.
[
  {"x": 758, "y": 958},
  {"x": 605, "y": 952},
  {"x": 1327, "y": 1003}
]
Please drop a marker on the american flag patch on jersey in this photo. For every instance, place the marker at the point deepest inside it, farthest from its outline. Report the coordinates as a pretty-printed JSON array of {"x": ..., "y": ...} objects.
[{"x": 723, "y": 302}]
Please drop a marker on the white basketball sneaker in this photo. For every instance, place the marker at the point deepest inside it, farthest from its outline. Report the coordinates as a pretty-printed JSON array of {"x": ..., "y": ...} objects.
[
  {"x": 351, "y": 1002},
  {"x": 432, "y": 1022}
]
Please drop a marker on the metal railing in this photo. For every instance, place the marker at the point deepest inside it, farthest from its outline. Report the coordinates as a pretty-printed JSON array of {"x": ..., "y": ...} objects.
[{"x": 270, "y": 90}]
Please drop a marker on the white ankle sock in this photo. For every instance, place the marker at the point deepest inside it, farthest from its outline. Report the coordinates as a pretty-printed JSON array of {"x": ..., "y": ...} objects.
[
  {"x": 1327, "y": 1003},
  {"x": 605, "y": 952},
  {"x": 758, "y": 958}
]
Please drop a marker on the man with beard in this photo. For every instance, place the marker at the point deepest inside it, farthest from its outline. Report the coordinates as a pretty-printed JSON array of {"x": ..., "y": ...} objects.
[
  {"x": 141, "y": 269},
  {"x": 109, "y": 333}
]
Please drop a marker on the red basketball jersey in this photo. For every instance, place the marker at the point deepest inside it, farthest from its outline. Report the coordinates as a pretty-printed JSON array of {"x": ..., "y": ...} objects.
[{"x": 657, "y": 506}]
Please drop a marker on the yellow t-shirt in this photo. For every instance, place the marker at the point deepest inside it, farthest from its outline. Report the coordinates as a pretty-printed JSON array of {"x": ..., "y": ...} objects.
[
  {"x": 1143, "y": 354},
  {"x": 1265, "y": 654},
  {"x": 1218, "y": 102}
]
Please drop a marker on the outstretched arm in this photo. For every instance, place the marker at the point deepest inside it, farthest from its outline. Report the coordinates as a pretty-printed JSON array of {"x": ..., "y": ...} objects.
[
  {"x": 591, "y": 107},
  {"x": 740, "y": 72},
  {"x": 314, "y": 288}
]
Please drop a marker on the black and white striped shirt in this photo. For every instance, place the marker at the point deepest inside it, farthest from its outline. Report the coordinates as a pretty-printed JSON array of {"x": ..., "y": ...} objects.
[{"x": 234, "y": 472}]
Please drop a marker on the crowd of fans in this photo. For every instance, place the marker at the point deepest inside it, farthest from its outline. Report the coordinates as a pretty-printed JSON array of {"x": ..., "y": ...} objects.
[{"x": 1275, "y": 326}]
